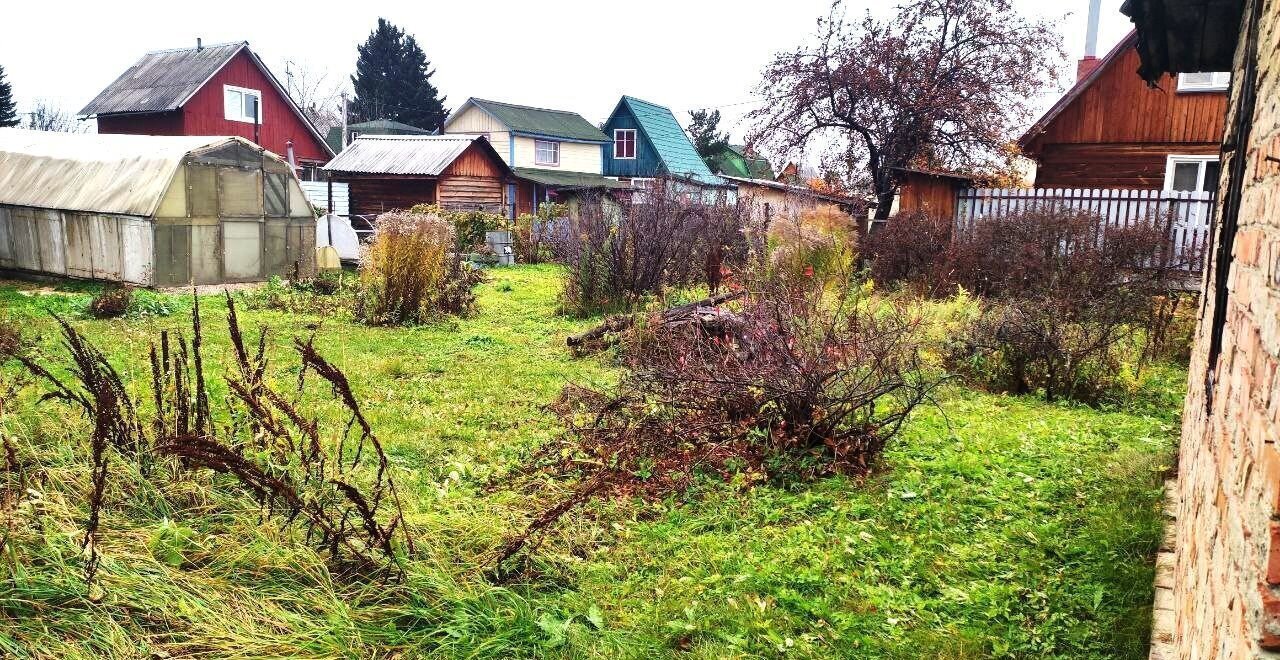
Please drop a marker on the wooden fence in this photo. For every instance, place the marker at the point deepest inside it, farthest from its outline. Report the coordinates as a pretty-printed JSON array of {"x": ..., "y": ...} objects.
[{"x": 1188, "y": 214}]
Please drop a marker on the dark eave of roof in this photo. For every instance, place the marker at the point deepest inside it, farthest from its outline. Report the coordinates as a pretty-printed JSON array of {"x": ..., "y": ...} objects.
[{"x": 1185, "y": 36}]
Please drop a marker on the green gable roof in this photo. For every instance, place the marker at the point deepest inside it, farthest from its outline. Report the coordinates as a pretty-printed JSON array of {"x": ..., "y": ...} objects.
[
  {"x": 541, "y": 121},
  {"x": 757, "y": 168},
  {"x": 559, "y": 179},
  {"x": 674, "y": 149},
  {"x": 375, "y": 127}
]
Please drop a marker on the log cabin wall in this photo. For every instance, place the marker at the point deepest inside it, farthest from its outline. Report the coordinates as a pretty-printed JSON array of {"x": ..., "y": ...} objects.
[
  {"x": 472, "y": 181},
  {"x": 374, "y": 195},
  {"x": 1118, "y": 133}
]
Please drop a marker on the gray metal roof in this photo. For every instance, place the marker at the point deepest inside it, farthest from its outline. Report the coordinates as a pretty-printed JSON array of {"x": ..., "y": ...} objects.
[
  {"x": 421, "y": 155},
  {"x": 162, "y": 80}
]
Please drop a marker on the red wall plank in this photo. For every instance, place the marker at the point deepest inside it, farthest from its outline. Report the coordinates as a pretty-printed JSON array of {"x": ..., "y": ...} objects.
[{"x": 204, "y": 114}]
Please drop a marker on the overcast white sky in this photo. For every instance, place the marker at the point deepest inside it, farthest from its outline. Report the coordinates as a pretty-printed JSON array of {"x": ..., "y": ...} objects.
[{"x": 578, "y": 55}]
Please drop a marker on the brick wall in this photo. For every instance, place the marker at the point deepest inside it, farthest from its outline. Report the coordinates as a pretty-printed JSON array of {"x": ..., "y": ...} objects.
[{"x": 1227, "y": 588}]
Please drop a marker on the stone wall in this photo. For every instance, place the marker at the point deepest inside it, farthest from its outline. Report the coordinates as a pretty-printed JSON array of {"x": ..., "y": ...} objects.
[{"x": 1226, "y": 595}]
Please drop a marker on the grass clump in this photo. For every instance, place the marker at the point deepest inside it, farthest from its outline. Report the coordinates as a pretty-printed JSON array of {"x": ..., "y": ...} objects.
[{"x": 411, "y": 272}]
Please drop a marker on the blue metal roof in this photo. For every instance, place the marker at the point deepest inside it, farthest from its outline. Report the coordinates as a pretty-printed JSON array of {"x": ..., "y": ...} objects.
[{"x": 675, "y": 150}]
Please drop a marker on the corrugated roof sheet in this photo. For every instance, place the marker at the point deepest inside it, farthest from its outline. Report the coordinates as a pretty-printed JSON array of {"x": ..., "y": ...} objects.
[
  {"x": 123, "y": 174},
  {"x": 162, "y": 80},
  {"x": 559, "y": 179},
  {"x": 542, "y": 121},
  {"x": 673, "y": 146},
  {"x": 421, "y": 155}
]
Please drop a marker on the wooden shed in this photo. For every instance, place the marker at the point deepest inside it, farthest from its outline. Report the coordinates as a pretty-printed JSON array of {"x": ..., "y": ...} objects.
[
  {"x": 150, "y": 210},
  {"x": 386, "y": 172},
  {"x": 929, "y": 191}
]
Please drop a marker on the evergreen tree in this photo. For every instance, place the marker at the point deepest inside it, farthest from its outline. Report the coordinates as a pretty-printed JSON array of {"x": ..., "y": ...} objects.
[
  {"x": 393, "y": 81},
  {"x": 704, "y": 132},
  {"x": 8, "y": 110}
]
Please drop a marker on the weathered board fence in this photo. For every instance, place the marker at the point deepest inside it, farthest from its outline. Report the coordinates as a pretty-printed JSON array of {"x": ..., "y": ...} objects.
[{"x": 1186, "y": 214}]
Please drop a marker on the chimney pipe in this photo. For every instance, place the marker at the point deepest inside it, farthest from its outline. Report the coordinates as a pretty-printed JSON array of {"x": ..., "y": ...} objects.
[
  {"x": 1091, "y": 35},
  {"x": 1089, "y": 62},
  {"x": 199, "y": 44}
]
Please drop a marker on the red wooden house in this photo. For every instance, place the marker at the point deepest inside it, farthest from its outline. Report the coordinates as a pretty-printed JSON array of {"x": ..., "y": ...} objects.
[
  {"x": 220, "y": 89},
  {"x": 1113, "y": 131}
]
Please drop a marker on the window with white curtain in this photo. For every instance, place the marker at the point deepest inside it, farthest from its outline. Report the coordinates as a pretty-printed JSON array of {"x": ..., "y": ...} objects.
[
  {"x": 546, "y": 152},
  {"x": 1207, "y": 81}
]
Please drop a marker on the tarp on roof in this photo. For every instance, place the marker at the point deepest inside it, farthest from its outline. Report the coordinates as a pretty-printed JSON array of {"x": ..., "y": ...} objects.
[
  {"x": 542, "y": 121},
  {"x": 120, "y": 174},
  {"x": 420, "y": 155},
  {"x": 559, "y": 179},
  {"x": 162, "y": 80},
  {"x": 674, "y": 148}
]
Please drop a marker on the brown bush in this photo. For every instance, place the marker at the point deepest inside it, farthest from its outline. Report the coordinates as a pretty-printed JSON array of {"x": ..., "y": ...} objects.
[
  {"x": 819, "y": 243},
  {"x": 1066, "y": 298},
  {"x": 111, "y": 302},
  {"x": 332, "y": 483},
  {"x": 620, "y": 250},
  {"x": 912, "y": 249},
  {"x": 12, "y": 343},
  {"x": 411, "y": 272}
]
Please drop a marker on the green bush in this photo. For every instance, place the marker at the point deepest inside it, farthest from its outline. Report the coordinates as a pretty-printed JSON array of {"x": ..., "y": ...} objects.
[{"x": 468, "y": 226}]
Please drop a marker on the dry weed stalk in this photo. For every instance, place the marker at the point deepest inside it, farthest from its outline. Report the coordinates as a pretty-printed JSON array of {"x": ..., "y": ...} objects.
[{"x": 269, "y": 447}]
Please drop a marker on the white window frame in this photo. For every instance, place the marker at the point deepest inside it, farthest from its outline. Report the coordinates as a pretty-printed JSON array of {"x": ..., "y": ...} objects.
[
  {"x": 1174, "y": 159},
  {"x": 1219, "y": 81},
  {"x": 635, "y": 143},
  {"x": 553, "y": 145},
  {"x": 241, "y": 116}
]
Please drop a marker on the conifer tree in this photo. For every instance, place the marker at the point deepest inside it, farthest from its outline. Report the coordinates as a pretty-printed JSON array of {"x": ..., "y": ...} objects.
[
  {"x": 393, "y": 80},
  {"x": 8, "y": 109}
]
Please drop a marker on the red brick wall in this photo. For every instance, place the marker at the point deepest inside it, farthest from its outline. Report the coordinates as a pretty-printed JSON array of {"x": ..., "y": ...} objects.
[{"x": 1227, "y": 574}]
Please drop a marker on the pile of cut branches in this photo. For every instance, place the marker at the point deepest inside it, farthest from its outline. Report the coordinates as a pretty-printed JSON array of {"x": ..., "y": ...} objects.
[{"x": 792, "y": 381}]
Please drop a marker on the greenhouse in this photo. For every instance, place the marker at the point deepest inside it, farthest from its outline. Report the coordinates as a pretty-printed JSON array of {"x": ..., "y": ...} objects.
[{"x": 151, "y": 210}]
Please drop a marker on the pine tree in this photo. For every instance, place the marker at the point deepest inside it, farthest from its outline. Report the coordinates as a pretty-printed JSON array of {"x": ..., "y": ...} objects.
[
  {"x": 704, "y": 132},
  {"x": 8, "y": 110},
  {"x": 393, "y": 80}
]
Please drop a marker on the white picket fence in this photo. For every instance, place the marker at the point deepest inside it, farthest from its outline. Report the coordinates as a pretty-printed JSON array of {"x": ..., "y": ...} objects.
[
  {"x": 1189, "y": 213},
  {"x": 317, "y": 193}
]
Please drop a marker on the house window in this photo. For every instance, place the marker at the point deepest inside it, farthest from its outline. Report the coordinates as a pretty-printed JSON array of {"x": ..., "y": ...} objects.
[
  {"x": 1208, "y": 81},
  {"x": 1191, "y": 173},
  {"x": 242, "y": 104},
  {"x": 546, "y": 152},
  {"x": 624, "y": 143}
]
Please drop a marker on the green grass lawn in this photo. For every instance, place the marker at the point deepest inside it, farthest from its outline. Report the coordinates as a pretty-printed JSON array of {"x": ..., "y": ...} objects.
[{"x": 996, "y": 526}]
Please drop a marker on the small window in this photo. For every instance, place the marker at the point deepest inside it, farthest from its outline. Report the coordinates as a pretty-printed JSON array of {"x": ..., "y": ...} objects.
[
  {"x": 1208, "y": 81},
  {"x": 624, "y": 143},
  {"x": 242, "y": 104},
  {"x": 1191, "y": 174},
  {"x": 546, "y": 152}
]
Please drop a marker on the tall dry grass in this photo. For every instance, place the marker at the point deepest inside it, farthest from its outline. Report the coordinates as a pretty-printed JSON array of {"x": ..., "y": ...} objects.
[{"x": 412, "y": 271}]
